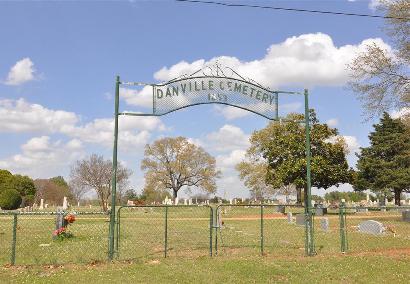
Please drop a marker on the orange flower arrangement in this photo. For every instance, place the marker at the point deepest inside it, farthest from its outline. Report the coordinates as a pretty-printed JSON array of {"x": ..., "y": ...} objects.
[{"x": 70, "y": 218}]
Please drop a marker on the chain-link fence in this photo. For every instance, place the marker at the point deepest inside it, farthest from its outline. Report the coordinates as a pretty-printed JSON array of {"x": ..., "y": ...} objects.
[
  {"x": 375, "y": 229},
  {"x": 27, "y": 238},
  {"x": 155, "y": 231},
  {"x": 191, "y": 231},
  {"x": 264, "y": 229}
]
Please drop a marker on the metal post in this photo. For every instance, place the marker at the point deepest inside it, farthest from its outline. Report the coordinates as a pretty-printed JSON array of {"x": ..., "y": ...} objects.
[
  {"x": 261, "y": 229},
  {"x": 277, "y": 106},
  {"x": 166, "y": 231},
  {"x": 308, "y": 202},
  {"x": 211, "y": 227},
  {"x": 13, "y": 242},
  {"x": 114, "y": 171},
  {"x": 343, "y": 231},
  {"x": 117, "y": 240}
]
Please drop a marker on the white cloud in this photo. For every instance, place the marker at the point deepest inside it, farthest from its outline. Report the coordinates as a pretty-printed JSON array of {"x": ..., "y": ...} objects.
[
  {"x": 374, "y": 4},
  {"x": 232, "y": 159},
  {"x": 42, "y": 158},
  {"x": 21, "y": 116},
  {"x": 227, "y": 138},
  {"x": 333, "y": 122},
  {"x": 230, "y": 112},
  {"x": 22, "y": 72},
  {"x": 400, "y": 113},
  {"x": 302, "y": 61},
  {"x": 352, "y": 143},
  {"x": 134, "y": 97}
]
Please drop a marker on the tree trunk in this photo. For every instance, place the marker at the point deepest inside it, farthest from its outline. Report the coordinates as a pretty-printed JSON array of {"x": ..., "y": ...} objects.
[
  {"x": 397, "y": 193},
  {"x": 175, "y": 193},
  {"x": 299, "y": 196}
]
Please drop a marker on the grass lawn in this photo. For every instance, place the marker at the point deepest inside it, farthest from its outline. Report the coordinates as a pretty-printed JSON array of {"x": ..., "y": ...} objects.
[{"x": 392, "y": 268}]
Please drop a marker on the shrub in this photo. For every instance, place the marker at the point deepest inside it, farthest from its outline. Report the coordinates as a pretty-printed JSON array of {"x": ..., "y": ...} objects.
[{"x": 10, "y": 199}]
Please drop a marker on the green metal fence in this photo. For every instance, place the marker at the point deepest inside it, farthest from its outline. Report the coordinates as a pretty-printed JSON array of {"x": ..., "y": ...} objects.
[
  {"x": 192, "y": 231},
  {"x": 27, "y": 238},
  {"x": 374, "y": 229},
  {"x": 259, "y": 229},
  {"x": 163, "y": 230}
]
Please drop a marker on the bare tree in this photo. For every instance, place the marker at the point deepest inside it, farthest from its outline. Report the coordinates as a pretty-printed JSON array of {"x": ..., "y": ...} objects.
[
  {"x": 172, "y": 163},
  {"x": 381, "y": 78},
  {"x": 96, "y": 173},
  {"x": 78, "y": 189}
]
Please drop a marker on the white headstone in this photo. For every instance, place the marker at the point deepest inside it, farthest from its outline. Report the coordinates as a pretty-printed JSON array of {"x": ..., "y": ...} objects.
[
  {"x": 46, "y": 205},
  {"x": 176, "y": 201},
  {"x": 90, "y": 206},
  {"x": 230, "y": 201},
  {"x": 130, "y": 202},
  {"x": 41, "y": 204},
  {"x": 367, "y": 197},
  {"x": 185, "y": 201},
  {"x": 190, "y": 201},
  {"x": 290, "y": 218},
  {"x": 78, "y": 204},
  {"x": 406, "y": 215},
  {"x": 371, "y": 227},
  {"x": 65, "y": 203},
  {"x": 300, "y": 219},
  {"x": 324, "y": 224}
]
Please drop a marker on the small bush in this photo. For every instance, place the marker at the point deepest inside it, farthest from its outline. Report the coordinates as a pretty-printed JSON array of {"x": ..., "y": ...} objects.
[{"x": 10, "y": 199}]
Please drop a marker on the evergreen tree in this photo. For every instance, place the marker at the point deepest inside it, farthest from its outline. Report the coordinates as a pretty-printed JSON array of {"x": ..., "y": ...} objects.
[{"x": 385, "y": 165}]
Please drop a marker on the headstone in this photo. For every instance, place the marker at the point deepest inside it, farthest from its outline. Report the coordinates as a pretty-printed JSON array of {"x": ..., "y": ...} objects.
[
  {"x": 280, "y": 209},
  {"x": 41, "y": 204},
  {"x": 90, "y": 206},
  {"x": 78, "y": 204},
  {"x": 361, "y": 210},
  {"x": 46, "y": 205},
  {"x": 371, "y": 227},
  {"x": 130, "y": 203},
  {"x": 367, "y": 197},
  {"x": 176, "y": 201},
  {"x": 243, "y": 200},
  {"x": 290, "y": 218},
  {"x": 300, "y": 219},
  {"x": 190, "y": 201},
  {"x": 230, "y": 201},
  {"x": 324, "y": 224},
  {"x": 406, "y": 215},
  {"x": 185, "y": 201},
  {"x": 65, "y": 203}
]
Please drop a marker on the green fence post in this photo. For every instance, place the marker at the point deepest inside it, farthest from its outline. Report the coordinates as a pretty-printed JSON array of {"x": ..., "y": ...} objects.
[
  {"x": 310, "y": 246},
  {"x": 261, "y": 229},
  {"x": 343, "y": 231},
  {"x": 111, "y": 235},
  {"x": 166, "y": 231},
  {"x": 13, "y": 242},
  {"x": 117, "y": 240},
  {"x": 216, "y": 218},
  {"x": 211, "y": 227}
]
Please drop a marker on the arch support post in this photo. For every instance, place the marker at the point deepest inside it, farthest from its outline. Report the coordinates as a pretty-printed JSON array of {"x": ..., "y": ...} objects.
[
  {"x": 309, "y": 232},
  {"x": 114, "y": 172}
]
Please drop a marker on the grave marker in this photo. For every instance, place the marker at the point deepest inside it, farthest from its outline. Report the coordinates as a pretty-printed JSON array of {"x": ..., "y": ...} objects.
[{"x": 371, "y": 227}]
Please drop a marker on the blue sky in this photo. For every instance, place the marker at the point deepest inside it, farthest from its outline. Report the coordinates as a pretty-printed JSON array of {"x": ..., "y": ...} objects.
[{"x": 58, "y": 63}]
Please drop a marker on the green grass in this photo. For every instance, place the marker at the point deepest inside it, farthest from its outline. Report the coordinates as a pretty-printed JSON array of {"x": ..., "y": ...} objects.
[
  {"x": 142, "y": 235},
  {"x": 336, "y": 269}
]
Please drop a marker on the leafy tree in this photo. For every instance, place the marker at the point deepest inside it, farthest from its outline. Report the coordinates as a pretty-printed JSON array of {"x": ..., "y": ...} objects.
[
  {"x": 172, "y": 163},
  {"x": 52, "y": 192},
  {"x": 385, "y": 165},
  {"x": 253, "y": 173},
  {"x": 96, "y": 173},
  {"x": 382, "y": 78},
  {"x": 10, "y": 199},
  {"x": 151, "y": 194},
  {"x": 282, "y": 145},
  {"x": 6, "y": 180}
]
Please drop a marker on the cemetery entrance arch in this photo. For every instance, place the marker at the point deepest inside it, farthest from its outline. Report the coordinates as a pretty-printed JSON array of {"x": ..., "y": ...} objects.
[{"x": 213, "y": 84}]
